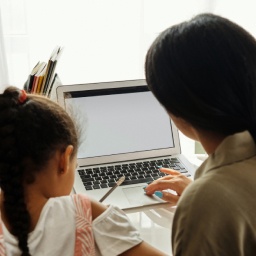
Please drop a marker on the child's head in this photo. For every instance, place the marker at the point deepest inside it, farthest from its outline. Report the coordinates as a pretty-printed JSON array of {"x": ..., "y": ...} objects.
[
  {"x": 204, "y": 71},
  {"x": 32, "y": 129}
]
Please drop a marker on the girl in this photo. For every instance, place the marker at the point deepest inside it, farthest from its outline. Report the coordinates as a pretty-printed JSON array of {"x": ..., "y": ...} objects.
[{"x": 38, "y": 147}]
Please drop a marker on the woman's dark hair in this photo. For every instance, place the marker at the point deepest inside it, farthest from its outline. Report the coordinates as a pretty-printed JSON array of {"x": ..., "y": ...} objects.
[
  {"x": 30, "y": 133},
  {"x": 204, "y": 71}
]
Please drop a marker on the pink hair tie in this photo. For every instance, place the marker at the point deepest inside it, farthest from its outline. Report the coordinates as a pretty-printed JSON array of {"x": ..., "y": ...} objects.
[{"x": 22, "y": 97}]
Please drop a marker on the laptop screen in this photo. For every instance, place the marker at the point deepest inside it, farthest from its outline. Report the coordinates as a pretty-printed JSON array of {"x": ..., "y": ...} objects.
[{"x": 119, "y": 121}]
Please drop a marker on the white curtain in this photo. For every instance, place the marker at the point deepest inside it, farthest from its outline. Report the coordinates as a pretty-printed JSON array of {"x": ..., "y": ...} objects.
[
  {"x": 4, "y": 78},
  {"x": 102, "y": 40}
]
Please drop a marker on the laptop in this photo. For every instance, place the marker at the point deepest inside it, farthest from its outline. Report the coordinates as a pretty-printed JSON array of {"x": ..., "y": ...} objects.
[{"x": 124, "y": 132}]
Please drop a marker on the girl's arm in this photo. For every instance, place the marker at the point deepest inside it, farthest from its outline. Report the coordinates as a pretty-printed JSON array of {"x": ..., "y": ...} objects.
[{"x": 142, "y": 248}]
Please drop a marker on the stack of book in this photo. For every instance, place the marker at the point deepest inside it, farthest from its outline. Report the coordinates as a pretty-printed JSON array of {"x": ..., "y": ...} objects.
[{"x": 42, "y": 76}]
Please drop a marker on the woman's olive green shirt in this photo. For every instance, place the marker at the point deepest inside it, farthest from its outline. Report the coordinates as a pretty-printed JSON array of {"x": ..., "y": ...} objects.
[{"x": 216, "y": 214}]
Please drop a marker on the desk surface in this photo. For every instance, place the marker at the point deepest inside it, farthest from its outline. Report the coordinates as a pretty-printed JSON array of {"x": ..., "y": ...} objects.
[
  {"x": 154, "y": 226},
  {"x": 154, "y": 222}
]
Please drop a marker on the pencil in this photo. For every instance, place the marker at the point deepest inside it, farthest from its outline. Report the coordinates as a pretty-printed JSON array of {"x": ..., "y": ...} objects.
[{"x": 119, "y": 182}]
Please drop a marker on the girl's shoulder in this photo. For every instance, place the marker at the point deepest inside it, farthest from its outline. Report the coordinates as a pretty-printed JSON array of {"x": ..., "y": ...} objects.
[
  {"x": 78, "y": 204},
  {"x": 83, "y": 206},
  {"x": 70, "y": 200}
]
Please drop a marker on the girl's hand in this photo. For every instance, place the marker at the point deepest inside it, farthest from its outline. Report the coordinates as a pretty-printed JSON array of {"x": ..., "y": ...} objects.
[{"x": 174, "y": 181}]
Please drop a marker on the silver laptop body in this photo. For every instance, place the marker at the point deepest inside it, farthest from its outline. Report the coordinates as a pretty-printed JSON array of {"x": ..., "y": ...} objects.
[{"x": 123, "y": 128}]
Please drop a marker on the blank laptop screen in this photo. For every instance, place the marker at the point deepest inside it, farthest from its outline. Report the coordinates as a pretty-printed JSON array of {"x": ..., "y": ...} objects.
[{"x": 119, "y": 120}]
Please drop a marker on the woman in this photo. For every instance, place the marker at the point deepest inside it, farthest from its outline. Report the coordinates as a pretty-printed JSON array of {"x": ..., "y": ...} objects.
[{"x": 203, "y": 72}]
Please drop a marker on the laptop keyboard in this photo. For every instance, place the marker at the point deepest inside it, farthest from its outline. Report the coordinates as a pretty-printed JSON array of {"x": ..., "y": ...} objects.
[{"x": 136, "y": 172}]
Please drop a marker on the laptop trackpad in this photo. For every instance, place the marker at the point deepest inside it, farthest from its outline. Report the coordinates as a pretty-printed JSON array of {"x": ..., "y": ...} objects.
[{"x": 137, "y": 197}]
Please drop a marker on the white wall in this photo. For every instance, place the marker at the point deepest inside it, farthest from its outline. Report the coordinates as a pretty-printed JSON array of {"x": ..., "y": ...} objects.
[{"x": 103, "y": 40}]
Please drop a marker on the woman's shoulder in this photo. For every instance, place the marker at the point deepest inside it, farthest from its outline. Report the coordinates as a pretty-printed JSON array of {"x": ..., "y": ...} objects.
[
  {"x": 205, "y": 192},
  {"x": 216, "y": 195}
]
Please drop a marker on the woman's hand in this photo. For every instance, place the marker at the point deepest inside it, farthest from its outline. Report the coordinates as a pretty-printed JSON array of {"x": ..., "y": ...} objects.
[{"x": 174, "y": 181}]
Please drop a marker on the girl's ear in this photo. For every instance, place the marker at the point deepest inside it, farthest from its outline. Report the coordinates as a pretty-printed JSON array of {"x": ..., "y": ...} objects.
[{"x": 65, "y": 159}]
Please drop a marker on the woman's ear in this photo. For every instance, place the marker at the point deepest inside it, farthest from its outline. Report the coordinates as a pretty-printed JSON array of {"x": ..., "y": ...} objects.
[{"x": 65, "y": 159}]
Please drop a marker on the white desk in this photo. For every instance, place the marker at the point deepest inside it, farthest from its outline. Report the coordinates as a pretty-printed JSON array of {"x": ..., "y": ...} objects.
[
  {"x": 154, "y": 225},
  {"x": 154, "y": 222}
]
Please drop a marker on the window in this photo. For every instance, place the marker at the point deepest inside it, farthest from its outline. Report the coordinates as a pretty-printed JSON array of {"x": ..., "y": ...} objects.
[{"x": 103, "y": 40}]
